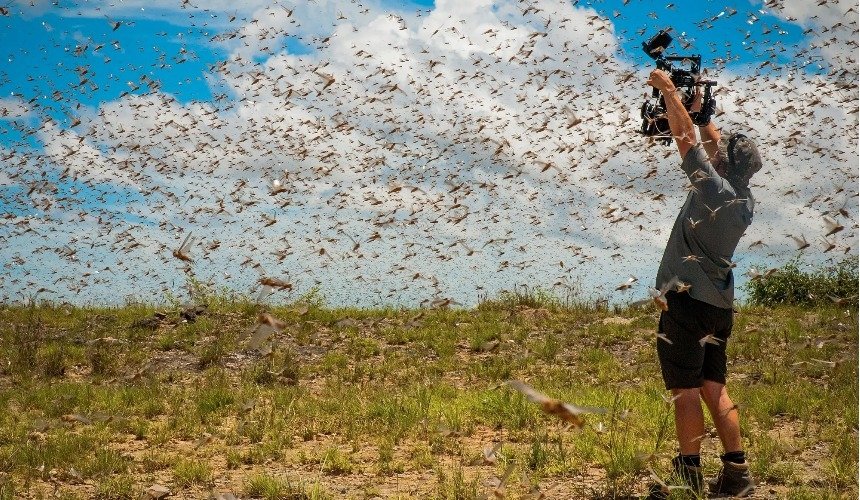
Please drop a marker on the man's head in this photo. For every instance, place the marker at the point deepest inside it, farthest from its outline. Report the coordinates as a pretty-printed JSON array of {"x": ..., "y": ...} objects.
[{"x": 738, "y": 159}]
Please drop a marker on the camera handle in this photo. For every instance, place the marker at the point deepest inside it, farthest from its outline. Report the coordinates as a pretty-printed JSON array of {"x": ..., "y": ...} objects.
[{"x": 709, "y": 105}]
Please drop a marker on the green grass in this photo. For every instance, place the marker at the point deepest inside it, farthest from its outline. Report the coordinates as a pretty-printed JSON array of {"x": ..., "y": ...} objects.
[
  {"x": 275, "y": 488},
  {"x": 401, "y": 402},
  {"x": 191, "y": 472}
]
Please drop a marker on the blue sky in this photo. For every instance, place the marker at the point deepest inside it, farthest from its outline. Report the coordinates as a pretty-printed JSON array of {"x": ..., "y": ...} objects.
[{"x": 42, "y": 50}]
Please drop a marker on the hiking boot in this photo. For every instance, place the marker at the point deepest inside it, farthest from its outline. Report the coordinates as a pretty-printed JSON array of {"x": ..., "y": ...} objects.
[
  {"x": 687, "y": 477},
  {"x": 734, "y": 479}
]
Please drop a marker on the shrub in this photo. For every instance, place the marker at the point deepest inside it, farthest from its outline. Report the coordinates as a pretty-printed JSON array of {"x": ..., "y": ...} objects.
[
  {"x": 52, "y": 360},
  {"x": 275, "y": 488},
  {"x": 189, "y": 472},
  {"x": 792, "y": 285}
]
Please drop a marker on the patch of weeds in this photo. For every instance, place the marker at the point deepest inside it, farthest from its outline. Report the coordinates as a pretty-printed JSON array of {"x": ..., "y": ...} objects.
[
  {"x": 457, "y": 418},
  {"x": 154, "y": 461},
  {"x": 252, "y": 430},
  {"x": 213, "y": 398},
  {"x": 51, "y": 360},
  {"x": 600, "y": 363},
  {"x": 275, "y": 488},
  {"x": 336, "y": 462},
  {"x": 192, "y": 331},
  {"x": 119, "y": 487},
  {"x": 151, "y": 408},
  {"x": 211, "y": 354},
  {"x": 480, "y": 334},
  {"x": 190, "y": 472},
  {"x": 137, "y": 427},
  {"x": 168, "y": 341},
  {"x": 25, "y": 340},
  {"x": 105, "y": 462},
  {"x": 62, "y": 450},
  {"x": 841, "y": 465},
  {"x": 234, "y": 459},
  {"x": 769, "y": 457},
  {"x": 503, "y": 408},
  {"x": 538, "y": 455},
  {"x": 392, "y": 414},
  {"x": 385, "y": 463},
  {"x": 453, "y": 485},
  {"x": 422, "y": 456},
  {"x": 442, "y": 344},
  {"x": 7, "y": 488},
  {"x": 334, "y": 363},
  {"x": 620, "y": 446},
  {"x": 362, "y": 347},
  {"x": 523, "y": 296},
  {"x": 807, "y": 493},
  {"x": 548, "y": 348},
  {"x": 103, "y": 359},
  {"x": 261, "y": 454},
  {"x": 283, "y": 367}
]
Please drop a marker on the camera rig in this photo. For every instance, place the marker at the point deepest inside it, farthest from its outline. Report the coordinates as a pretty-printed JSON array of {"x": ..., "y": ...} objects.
[{"x": 686, "y": 78}]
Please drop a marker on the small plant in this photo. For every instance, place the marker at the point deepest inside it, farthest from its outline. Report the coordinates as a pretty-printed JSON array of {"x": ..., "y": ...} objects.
[
  {"x": 211, "y": 354},
  {"x": 190, "y": 472},
  {"x": 119, "y": 487},
  {"x": 233, "y": 459},
  {"x": 455, "y": 486},
  {"x": 25, "y": 340},
  {"x": 213, "y": 398},
  {"x": 336, "y": 463},
  {"x": 102, "y": 359},
  {"x": 52, "y": 360},
  {"x": 313, "y": 298},
  {"x": 7, "y": 489},
  {"x": 153, "y": 461},
  {"x": 386, "y": 463},
  {"x": 275, "y": 488}
]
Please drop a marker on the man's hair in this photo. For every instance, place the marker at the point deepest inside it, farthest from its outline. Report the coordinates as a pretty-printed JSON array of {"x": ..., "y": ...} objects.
[{"x": 741, "y": 155}]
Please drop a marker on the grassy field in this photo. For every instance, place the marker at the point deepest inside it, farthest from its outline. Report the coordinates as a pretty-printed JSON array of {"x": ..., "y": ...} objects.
[{"x": 108, "y": 403}]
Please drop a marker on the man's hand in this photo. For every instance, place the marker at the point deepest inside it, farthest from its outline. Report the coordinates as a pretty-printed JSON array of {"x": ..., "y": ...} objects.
[
  {"x": 679, "y": 120},
  {"x": 698, "y": 96},
  {"x": 661, "y": 81}
]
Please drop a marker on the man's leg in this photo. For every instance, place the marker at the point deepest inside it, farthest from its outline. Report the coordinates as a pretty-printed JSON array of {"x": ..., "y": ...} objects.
[
  {"x": 689, "y": 426},
  {"x": 724, "y": 413},
  {"x": 734, "y": 477},
  {"x": 689, "y": 420}
]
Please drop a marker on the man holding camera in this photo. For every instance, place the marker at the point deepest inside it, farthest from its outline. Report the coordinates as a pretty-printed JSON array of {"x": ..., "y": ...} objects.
[{"x": 695, "y": 328}]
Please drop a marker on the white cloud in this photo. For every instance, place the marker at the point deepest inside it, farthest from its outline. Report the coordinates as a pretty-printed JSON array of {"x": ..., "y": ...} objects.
[
  {"x": 832, "y": 27},
  {"x": 431, "y": 141},
  {"x": 14, "y": 108}
]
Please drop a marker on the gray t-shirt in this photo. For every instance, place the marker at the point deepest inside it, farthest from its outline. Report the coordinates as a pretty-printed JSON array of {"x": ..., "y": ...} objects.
[{"x": 706, "y": 233}]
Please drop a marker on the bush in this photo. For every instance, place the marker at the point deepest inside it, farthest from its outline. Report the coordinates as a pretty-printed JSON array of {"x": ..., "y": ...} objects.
[
  {"x": 836, "y": 283},
  {"x": 52, "y": 360}
]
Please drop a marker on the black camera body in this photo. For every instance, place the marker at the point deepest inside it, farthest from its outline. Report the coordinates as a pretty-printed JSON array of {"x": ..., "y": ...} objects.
[{"x": 686, "y": 77}]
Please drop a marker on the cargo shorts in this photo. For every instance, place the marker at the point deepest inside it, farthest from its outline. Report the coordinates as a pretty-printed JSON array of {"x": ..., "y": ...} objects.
[{"x": 689, "y": 360}]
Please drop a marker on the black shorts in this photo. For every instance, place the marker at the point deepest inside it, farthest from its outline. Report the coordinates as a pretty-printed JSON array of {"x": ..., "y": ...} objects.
[{"x": 688, "y": 361}]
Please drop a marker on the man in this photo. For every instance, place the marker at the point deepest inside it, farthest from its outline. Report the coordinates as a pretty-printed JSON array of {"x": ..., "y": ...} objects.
[{"x": 695, "y": 328}]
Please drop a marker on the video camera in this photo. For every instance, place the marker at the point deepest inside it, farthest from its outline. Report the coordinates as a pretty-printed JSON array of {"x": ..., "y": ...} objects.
[{"x": 654, "y": 121}]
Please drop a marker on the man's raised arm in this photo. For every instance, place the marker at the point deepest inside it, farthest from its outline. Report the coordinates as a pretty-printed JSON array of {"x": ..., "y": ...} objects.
[{"x": 709, "y": 133}]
